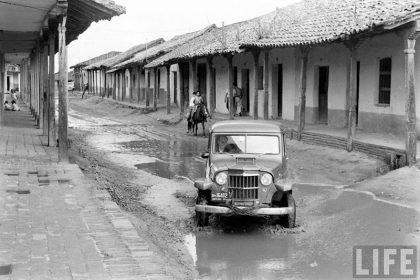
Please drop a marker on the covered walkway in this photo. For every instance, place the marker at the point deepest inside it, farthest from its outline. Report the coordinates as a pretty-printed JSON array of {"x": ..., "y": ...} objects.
[{"x": 31, "y": 34}]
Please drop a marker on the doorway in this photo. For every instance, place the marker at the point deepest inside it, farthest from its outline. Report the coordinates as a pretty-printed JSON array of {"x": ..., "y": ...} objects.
[
  {"x": 175, "y": 87},
  {"x": 185, "y": 74},
  {"x": 280, "y": 91},
  {"x": 357, "y": 92},
  {"x": 245, "y": 90},
  {"x": 323, "y": 94},
  {"x": 202, "y": 80}
]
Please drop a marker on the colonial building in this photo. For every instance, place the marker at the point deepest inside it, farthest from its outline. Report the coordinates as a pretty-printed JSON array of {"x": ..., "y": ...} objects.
[
  {"x": 343, "y": 64},
  {"x": 97, "y": 71},
  {"x": 80, "y": 74},
  {"x": 152, "y": 85}
]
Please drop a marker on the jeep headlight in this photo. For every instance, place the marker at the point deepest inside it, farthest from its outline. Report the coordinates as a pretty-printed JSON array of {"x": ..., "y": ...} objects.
[
  {"x": 266, "y": 179},
  {"x": 221, "y": 178}
]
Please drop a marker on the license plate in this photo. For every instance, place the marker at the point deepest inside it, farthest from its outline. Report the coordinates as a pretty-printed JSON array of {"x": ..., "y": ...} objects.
[
  {"x": 219, "y": 196},
  {"x": 244, "y": 203}
]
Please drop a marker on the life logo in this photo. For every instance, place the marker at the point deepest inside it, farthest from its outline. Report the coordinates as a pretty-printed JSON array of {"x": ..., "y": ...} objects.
[{"x": 385, "y": 262}]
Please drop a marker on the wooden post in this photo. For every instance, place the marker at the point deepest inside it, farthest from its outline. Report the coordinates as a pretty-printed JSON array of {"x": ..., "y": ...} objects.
[
  {"x": 212, "y": 103},
  {"x": 89, "y": 73},
  {"x": 302, "y": 90},
  {"x": 155, "y": 89},
  {"x": 2, "y": 71},
  {"x": 168, "y": 89},
  {"x": 147, "y": 86},
  {"x": 351, "y": 128},
  {"x": 256, "y": 55},
  {"x": 45, "y": 87},
  {"x": 41, "y": 87},
  {"x": 52, "y": 139},
  {"x": 410, "y": 38},
  {"x": 347, "y": 102},
  {"x": 230, "y": 85},
  {"x": 138, "y": 84},
  {"x": 114, "y": 85},
  {"x": 38, "y": 108},
  {"x": 266, "y": 71},
  {"x": 62, "y": 93},
  {"x": 181, "y": 90},
  {"x": 194, "y": 74}
]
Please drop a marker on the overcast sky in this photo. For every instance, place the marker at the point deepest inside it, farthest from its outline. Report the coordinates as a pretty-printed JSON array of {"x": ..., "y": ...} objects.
[{"x": 148, "y": 20}]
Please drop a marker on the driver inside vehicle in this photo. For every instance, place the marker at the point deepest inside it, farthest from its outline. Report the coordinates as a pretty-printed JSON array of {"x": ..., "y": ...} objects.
[{"x": 222, "y": 145}]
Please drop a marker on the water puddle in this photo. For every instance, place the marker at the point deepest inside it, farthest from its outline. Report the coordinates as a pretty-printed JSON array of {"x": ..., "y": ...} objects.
[
  {"x": 332, "y": 226},
  {"x": 241, "y": 256},
  {"x": 173, "y": 158}
]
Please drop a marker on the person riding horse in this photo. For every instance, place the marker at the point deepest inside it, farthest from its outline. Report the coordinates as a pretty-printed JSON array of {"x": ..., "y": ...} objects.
[{"x": 196, "y": 106}]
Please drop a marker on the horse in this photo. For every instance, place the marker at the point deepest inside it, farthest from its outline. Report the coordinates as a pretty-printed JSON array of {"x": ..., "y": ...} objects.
[{"x": 198, "y": 116}]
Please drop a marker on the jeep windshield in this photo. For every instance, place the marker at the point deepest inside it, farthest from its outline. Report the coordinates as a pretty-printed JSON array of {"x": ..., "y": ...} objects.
[{"x": 246, "y": 144}]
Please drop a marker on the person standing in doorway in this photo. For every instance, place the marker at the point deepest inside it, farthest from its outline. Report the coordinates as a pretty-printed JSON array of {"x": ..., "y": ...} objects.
[
  {"x": 85, "y": 88},
  {"x": 237, "y": 95}
]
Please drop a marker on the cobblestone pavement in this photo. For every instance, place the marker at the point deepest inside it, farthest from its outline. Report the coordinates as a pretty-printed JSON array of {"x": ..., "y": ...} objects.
[{"x": 54, "y": 224}]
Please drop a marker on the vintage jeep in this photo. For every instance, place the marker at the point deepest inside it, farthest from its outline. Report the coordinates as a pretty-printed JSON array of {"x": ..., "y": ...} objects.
[{"x": 246, "y": 173}]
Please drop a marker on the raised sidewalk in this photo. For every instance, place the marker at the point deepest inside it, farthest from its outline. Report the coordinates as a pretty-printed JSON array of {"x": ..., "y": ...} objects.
[{"x": 54, "y": 224}]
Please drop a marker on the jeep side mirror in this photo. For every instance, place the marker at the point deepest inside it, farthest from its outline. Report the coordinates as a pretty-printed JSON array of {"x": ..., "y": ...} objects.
[{"x": 205, "y": 155}]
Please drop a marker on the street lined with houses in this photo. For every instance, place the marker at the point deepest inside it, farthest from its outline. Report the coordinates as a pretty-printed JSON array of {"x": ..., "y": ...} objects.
[
  {"x": 305, "y": 163},
  {"x": 163, "y": 162}
]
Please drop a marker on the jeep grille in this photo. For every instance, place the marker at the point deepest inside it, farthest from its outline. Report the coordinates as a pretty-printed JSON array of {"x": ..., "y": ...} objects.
[{"x": 243, "y": 187}]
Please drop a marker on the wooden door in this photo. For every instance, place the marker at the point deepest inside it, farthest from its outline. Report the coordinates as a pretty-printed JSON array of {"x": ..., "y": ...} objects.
[
  {"x": 323, "y": 94},
  {"x": 280, "y": 90},
  {"x": 185, "y": 91},
  {"x": 175, "y": 87},
  {"x": 357, "y": 92},
  {"x": 202, "y": 80},
  {"x": 245, "y": 89}
]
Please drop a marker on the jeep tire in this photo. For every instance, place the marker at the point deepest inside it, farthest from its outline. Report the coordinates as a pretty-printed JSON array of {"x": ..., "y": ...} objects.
[
  {"x": 202, "y": 217},
  {"x": 285, "y": 200}
]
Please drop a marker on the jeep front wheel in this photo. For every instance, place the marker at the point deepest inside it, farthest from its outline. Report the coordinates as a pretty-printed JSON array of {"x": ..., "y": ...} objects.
[
  {"x": 290, "y": 219},
  {"x": 285, "y": 200},
  {"x": 202, "y": 217}
]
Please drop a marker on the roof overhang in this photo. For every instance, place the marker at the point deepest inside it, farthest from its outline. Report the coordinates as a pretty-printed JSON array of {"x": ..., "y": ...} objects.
[{"x": 23, "y": 23}]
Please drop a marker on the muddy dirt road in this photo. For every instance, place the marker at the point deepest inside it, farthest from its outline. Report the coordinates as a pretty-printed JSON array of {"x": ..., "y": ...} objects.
[{"x": 149, "y": 166}]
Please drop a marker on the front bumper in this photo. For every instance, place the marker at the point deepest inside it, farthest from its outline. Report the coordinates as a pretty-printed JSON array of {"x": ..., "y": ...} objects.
[{"x": 258, "y": 211}]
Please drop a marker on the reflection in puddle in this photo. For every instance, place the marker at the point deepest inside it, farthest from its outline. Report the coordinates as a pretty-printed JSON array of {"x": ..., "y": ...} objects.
[
  {"x": 337, "y": 222},
  {"x": 173, "y": 157},
  {"x": 241, "y": 256}
]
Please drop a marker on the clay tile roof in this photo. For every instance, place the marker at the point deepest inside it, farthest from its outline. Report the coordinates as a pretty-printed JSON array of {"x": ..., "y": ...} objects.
[
  {"x": 150, "y": 53},
  {"x": 95, "y": 59},
  {"x": 322, "y": 21},
  {"x": 112, "y": 61},
  {"x": 222, "y": 40},
  {"x": 111, "y": 5},
  {"x": 305, "y": 23}
]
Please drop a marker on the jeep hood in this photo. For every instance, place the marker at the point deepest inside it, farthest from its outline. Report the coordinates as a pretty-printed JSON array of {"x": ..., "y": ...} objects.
[{"x": 266, "y": 163}]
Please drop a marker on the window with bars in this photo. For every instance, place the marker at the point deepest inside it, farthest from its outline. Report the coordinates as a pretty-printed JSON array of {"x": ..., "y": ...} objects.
[{"x": 384, "y": 97}]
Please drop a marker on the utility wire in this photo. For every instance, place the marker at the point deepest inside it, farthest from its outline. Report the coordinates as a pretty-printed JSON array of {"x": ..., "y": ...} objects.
[{"x": 24, "y": 6}]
